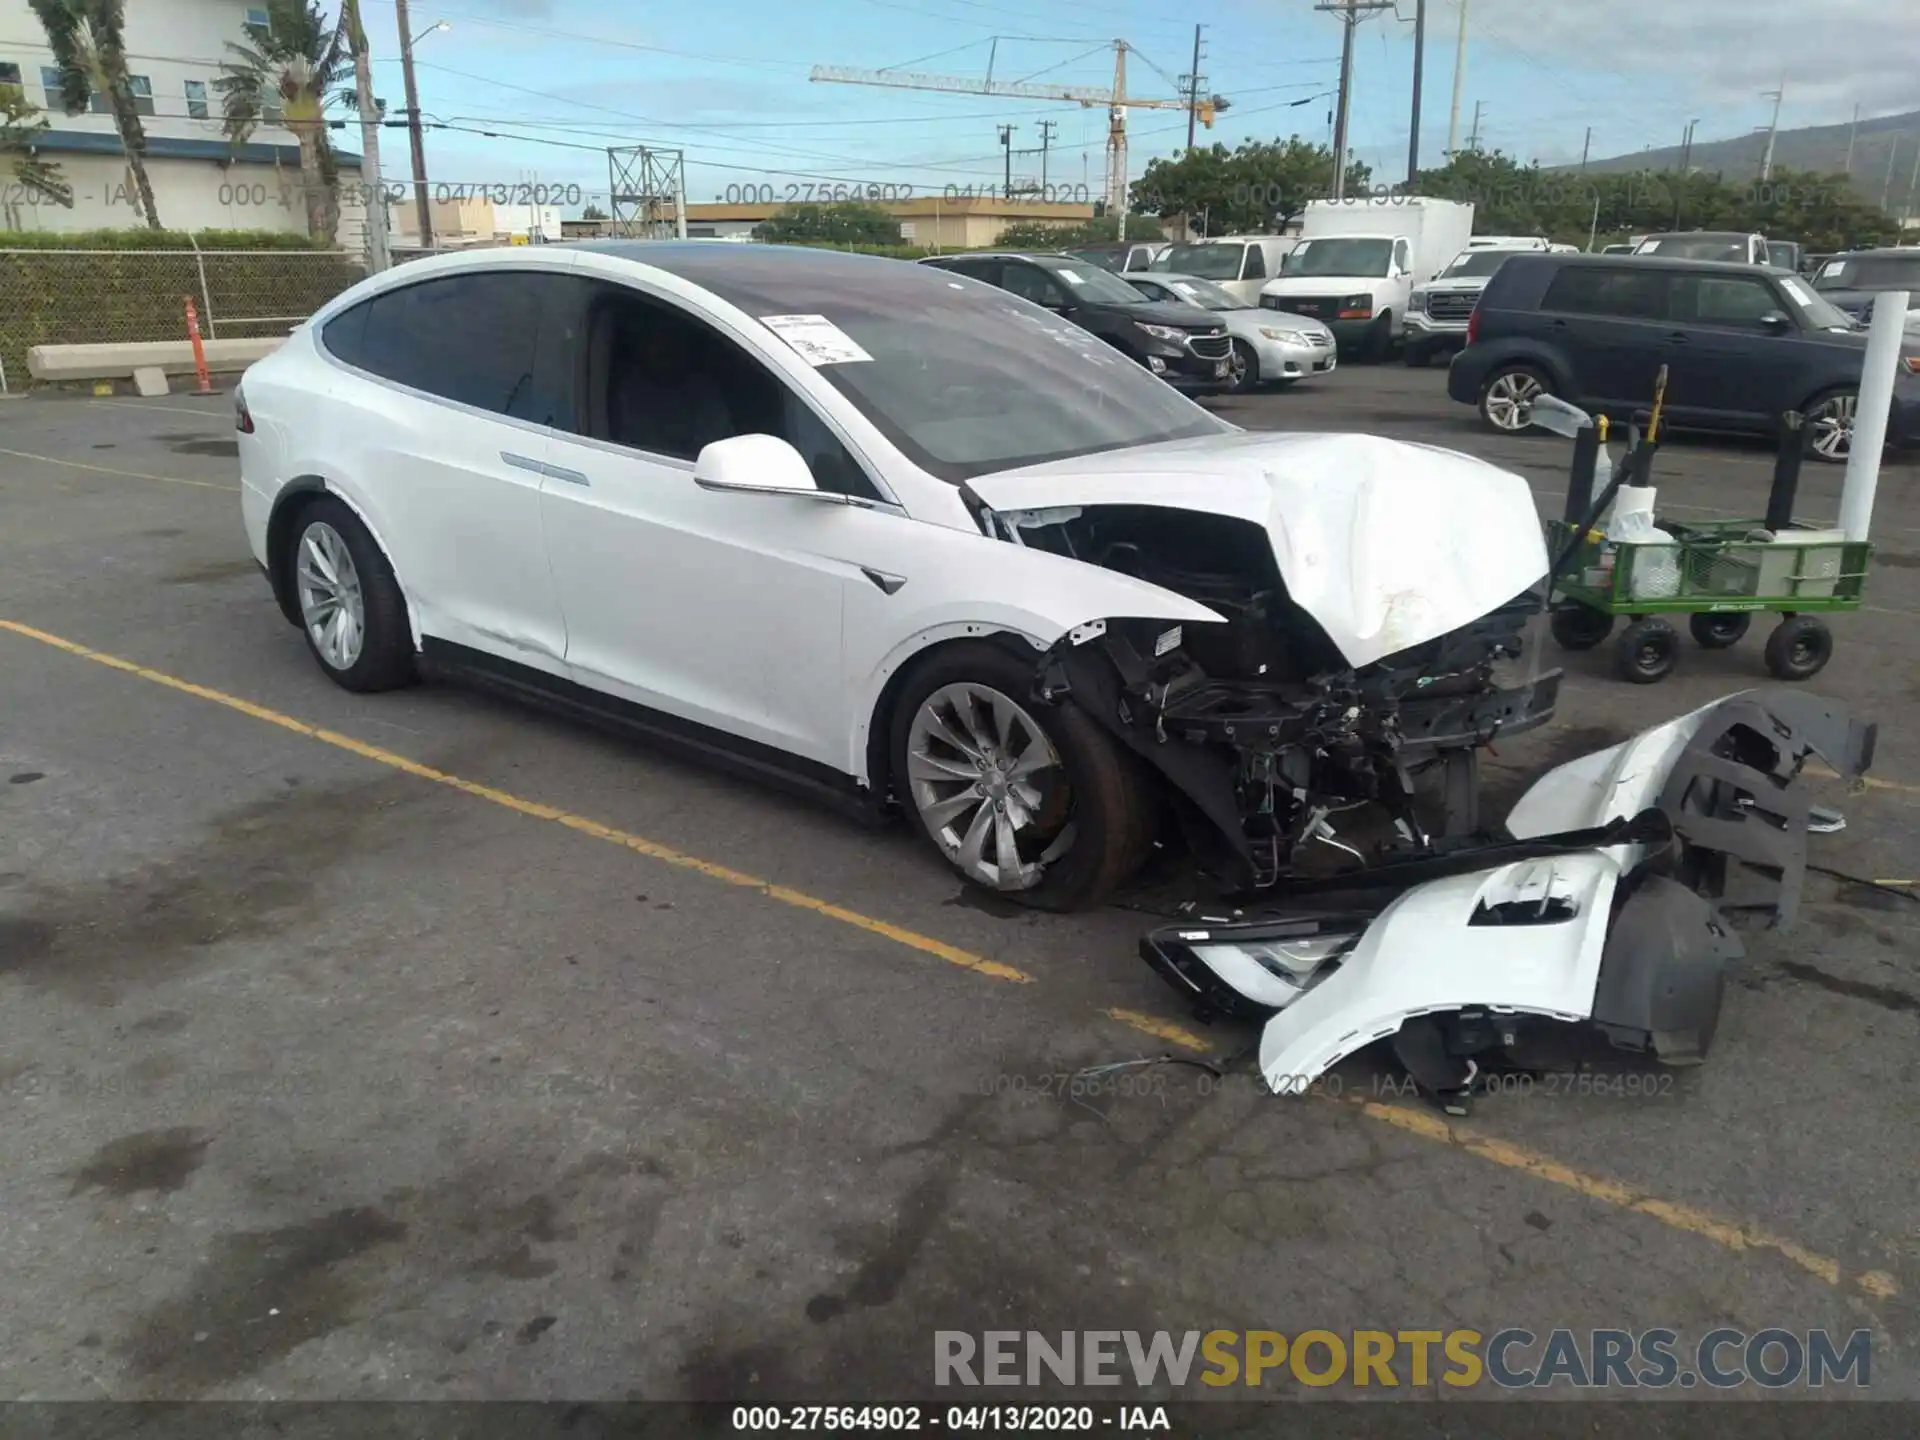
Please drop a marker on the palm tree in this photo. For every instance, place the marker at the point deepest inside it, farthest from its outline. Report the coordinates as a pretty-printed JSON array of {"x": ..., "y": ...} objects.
[
  {"x": 292, "y": 64},
  {"x": 88, "y": 47},
  {"x": 21, "y": 126}
]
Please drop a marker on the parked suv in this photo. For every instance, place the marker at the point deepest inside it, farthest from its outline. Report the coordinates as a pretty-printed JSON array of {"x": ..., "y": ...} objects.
[
  {"x": 1741, "y": 343},
  {"x": 1731, "y": 245},
  {"x": 1182, "y": 344},
  {"x": 1851, "y": 281},
  {"x": 1437, "y": 312},
  {"x": 1118, "y": 257}
]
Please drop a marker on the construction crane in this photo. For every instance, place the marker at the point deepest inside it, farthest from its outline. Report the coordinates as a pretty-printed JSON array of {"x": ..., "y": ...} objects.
[{"x": 1117, "y": 101}]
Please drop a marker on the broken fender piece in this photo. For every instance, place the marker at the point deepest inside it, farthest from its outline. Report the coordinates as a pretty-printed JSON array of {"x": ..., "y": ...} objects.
[{"x": 1626, "y": 932}]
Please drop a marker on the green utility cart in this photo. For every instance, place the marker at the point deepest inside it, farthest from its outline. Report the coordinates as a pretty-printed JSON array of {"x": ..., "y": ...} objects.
[{"x": 1719, "y": 574}]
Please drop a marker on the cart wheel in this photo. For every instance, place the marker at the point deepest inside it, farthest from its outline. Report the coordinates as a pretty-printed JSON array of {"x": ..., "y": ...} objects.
[
  {"x": 1799, "y": 647},
  {"x": 1578, "y": 628},
  {"x": 1646, "y": 650},
  {"x": 1717, "y": 632}
]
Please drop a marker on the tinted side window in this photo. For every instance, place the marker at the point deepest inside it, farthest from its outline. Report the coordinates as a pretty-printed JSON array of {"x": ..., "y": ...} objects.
[
  {"x": 660, "y": 380},
  {"x": 1724, "y": 300},
  {"x": 468, "y": 338},
  {"x": 344, "y": 335},
  {"x": 1256, "y": 265},
  {"x": 1624, "y": 293},
  {"x": 1030, "y": 282}
]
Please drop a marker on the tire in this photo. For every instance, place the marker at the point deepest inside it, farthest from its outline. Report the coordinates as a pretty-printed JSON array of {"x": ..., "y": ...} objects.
[
  {"x": 1243, "y": 372},
  {"x": 1379, "y": 342},
  {"x": 364, "y": 594},
  {"x": 1418, "y": 357},
  {"x": 1094, "y": 798},
  {"x": 1717, "y": 632},
  {"x": 1799, "y": 648},
  {"x": 1576, "y": 627},
  {"x": 1507, "y": 396},
  {"x": 1830, "y": 417},
  {"x": 1646, "y": 651}
]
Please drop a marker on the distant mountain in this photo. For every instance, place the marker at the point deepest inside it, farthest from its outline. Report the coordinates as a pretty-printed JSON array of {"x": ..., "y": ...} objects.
[{"x": 1823, "y": 148}]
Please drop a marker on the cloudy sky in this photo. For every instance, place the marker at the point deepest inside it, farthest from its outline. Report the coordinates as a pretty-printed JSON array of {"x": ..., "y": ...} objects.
[{"x": 556, "y": 81}]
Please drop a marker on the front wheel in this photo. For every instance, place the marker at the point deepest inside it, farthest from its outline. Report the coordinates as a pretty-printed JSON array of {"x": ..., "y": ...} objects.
[
  {"x": 1243, "y": 369},
  {"x": 1034, "y": 802},
  {"x": 1646, "y": 651},
  {"x": 1799, "y": 648},
  {"x": 1418, "y": 357},
  {"x": 1830, "y": 419},
  {"x": 1506, "y": 400},
  {"x": 1578, "y": 628}
]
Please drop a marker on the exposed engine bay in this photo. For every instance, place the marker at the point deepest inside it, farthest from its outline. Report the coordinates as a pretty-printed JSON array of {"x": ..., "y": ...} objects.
[{"x": 1260, "y": 724}]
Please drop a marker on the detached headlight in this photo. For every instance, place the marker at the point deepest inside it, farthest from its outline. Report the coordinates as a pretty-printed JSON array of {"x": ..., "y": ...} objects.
[
  {"x": 1274, "y": 973},
  {"x": 1164, "y": 332}
]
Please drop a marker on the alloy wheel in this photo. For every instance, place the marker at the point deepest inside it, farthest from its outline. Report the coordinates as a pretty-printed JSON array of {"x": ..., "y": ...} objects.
[
  {"x": 331, "y": 604},
  {"x": 1509, "y": 403},
  {"x": 988, "y": 785},
  {"x": 1832, "y": 422}
]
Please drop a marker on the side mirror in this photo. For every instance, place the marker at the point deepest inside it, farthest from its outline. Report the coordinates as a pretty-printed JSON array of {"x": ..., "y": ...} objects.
[
  {"x": 755, "y": 465},
  {"x": 1550, "y": 412},
  {"x": 1776, "y": 322}
]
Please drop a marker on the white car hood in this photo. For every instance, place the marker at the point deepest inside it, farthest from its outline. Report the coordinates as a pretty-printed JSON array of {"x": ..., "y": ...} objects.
[{"x": 1386, "y": 544}]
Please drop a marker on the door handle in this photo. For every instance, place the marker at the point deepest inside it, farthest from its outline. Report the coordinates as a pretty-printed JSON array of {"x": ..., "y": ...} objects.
[
  {"x": 1678, "y": 337},
  {"x": 540, "y": 467}
]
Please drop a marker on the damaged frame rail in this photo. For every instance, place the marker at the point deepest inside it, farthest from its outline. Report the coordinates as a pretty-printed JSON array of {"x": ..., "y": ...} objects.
[{"x": 1613, "y": 905}]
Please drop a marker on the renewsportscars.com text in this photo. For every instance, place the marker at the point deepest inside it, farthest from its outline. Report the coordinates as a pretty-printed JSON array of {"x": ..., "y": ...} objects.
[{"x": 1509, "y": 1359}]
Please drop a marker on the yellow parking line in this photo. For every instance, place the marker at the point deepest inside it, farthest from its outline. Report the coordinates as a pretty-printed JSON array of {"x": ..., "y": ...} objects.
[
  {"x": 653, "y": 849},
  {"x": 126, "y": 474},
  {"x": 219, "y": 413},
  {"x": 1685, "y": 1218},
  {"x": 1676, "y": 1216}
]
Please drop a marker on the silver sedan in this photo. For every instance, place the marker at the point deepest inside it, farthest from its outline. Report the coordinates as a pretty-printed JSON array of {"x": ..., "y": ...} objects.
[{"x": 1270, "y": 347}]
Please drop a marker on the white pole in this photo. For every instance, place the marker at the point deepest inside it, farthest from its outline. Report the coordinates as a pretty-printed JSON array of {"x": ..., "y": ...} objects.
[{"x": 1870, "y": 412}]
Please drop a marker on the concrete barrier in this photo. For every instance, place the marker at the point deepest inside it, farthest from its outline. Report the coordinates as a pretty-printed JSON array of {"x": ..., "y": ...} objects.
[{"x": 119, "y": 361}]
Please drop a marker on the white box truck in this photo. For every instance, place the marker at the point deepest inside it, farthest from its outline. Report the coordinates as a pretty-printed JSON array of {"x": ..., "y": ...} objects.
[{"x": 1358, "y": 260}]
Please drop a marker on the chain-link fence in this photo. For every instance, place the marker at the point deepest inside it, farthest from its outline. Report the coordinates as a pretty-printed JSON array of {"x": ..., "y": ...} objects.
[{"x": 76, "y": 297}]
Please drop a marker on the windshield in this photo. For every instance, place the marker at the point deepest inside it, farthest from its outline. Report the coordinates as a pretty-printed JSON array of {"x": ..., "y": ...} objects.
[
  {"x": 1091, "y": 283},
  {"x": 1204, "y": 293},
  {"x": 1815, "y": 310},
  {"x": 1209, "y": 262},
  {"x": 1870, "y": 272},
  {"x": 1783, "y": 253},
  {"x": 1369, "y": 256},
  {"x": 963, "y": 378},
  {"x": 1696, "y": 247},
  {"x": 1475, "y": 262},
  {"x": 1105, "y": 259}
]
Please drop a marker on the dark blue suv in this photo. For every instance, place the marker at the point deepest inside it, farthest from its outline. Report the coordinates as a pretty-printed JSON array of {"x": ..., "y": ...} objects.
[{"x": 1741, "y": 343}]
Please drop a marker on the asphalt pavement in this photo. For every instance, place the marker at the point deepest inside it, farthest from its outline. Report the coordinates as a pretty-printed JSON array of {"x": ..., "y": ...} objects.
[{"x": 423, "y": 1046}]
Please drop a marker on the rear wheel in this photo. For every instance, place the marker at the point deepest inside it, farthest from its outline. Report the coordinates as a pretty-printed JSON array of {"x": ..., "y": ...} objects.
[
  {"x": 1034, "y": 802},
  {"x": 351, "y": 608},
  {"x": 1418, "y": 356},
  {"x": 1506, "y": 400},
  {"x": 1379, "y": 342},
  {"x": 1578, "y": 628},
  {"x": 1717, "y": 632}
]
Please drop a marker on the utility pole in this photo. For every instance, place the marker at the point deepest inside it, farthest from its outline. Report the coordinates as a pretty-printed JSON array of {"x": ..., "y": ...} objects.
[
  {"x": 1886, "y": 189},
  {"x": 1585, "y": 145},
  {"x": 422, "y": 210},
  {"x": 1047, "y": 127},
  {"x": 1459, "y": 73},
  {"x": 378, "y": 256},
  {"x": 1852, "y": 131},
  {"x": 1913, "y": 183},
  {"x": 1350, "y": 12},
  {"x": 1773, "y": 129},
  {"x": 1193, "y": 86},
  {"x": 1419, "y": 63},
  {"x": 1686, "y": 160},
  {"x": 1006, "y": 144},
  {"x": 1473, "y": 140}
]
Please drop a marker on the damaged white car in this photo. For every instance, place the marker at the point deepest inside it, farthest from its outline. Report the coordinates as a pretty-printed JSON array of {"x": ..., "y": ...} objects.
[{"x": 899, "y": 537}]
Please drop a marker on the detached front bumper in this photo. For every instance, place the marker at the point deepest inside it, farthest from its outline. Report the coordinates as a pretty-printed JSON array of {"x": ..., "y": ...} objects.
[{"x": 1612, "y": 906}]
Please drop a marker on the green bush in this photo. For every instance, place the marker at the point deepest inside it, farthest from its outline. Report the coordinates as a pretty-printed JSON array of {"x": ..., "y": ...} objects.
[{"x": 140, "y": 239}]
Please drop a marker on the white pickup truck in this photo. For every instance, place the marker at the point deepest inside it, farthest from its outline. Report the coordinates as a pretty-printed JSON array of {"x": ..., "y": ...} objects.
[{"x": 1357, "y": 262}]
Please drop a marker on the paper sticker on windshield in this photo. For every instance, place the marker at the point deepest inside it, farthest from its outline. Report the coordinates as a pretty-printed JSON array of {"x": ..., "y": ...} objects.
[
  {"x": 1832, "y": 268},
  {"x": 1185, "y": 289},
  {"x": 1072, "y": 277},
  {"x": 1648, "y": 247},
  {"x": 815, "y": 339}
]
